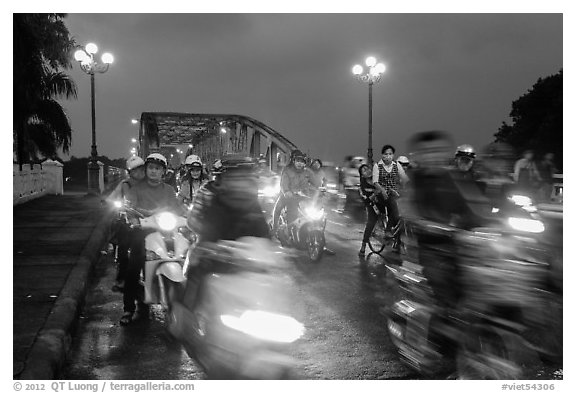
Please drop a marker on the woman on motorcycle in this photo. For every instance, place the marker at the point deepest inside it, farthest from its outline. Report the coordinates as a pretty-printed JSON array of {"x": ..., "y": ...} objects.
[
  {"x": 192, "y": 180},
  {"x": 374, "y": 206}
]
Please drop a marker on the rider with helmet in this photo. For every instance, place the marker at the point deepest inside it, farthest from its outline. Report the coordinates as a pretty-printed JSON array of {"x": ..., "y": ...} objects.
[
  {"x": 464, "y": 159},
  {"x": 295, "y": 178},
  {"x": 148, "y": 197},
  {"x": 136, "y": 173},
  {"x": 192, "y": 180}
]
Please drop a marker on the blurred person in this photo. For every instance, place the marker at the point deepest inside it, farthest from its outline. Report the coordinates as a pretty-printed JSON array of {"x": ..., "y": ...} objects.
[
  {"x": 136, "y": 173},
  {"x": 464, "y": 160},
  {"x": 193, "y": 179},
  {"x": 373, "y": 204},
  {"x": 494, "y": 174},
  {"x": 147, "y": 197},
  {"x": 295, "y": 178},
  {"x": 227, "y": 208},
  {"x": 318, "y": 177},
  {"x": 388, "y": 177},
  {"x": 526, "y": 174},
  {"x": 170, "y": 178},
  {"x": 445, "y": 200},
  {"x": 404, "y": 161},
  {"x": 547, "y": 170}
]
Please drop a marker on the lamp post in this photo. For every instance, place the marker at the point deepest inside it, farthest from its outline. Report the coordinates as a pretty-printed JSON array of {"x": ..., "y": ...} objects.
[
  {"x": 372, "y": 75},
  {"x": 89, "y": 64}
]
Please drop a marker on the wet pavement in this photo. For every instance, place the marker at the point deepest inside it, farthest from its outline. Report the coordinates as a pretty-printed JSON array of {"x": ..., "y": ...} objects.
[{"x": 56, "y": 240}]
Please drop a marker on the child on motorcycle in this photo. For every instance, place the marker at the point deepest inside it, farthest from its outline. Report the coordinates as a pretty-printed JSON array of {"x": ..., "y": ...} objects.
[{"x": 369, "y": 195}]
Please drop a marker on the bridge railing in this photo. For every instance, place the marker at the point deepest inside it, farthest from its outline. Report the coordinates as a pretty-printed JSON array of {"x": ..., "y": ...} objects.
[{"x": 36, "y": 180}]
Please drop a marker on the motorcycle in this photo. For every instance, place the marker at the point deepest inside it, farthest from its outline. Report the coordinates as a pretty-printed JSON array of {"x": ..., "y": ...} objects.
[
  {"x": 225, "y": 302},
  {"x": 489, "y": 333},
  {"x": 307, "y": 231}
]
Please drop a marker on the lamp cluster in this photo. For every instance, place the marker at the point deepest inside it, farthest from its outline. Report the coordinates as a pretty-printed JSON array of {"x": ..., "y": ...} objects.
[
  {"x": 372, "y": 74},
  {"x": 88, "y": 63}
]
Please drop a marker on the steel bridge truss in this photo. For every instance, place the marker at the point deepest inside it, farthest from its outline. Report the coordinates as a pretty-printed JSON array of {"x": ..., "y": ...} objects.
[{"x": 177, "y": 135}]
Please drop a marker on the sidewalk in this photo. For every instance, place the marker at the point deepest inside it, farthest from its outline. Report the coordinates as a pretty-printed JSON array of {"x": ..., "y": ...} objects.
[{"x": 57, "y": 240}]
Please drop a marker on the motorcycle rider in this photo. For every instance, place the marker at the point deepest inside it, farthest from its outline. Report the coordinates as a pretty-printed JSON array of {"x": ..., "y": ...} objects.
[
  {"x": 226, "y": 208},
  {"x": 446, "y": 200},
  {"x": 464, "y": 160},
  {"x": 295, "y": 178},
  {"x": 318, "y": 177},
  {"x": 136, "y": 172},
  {"x": 147, "y": 197},
  {"x": 192, "y": 180}
]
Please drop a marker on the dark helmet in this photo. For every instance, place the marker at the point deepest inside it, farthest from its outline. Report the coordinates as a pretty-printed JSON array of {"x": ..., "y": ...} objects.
[
  {"x": 319, "y": 161},
  {"x": 465, "y": 151},
  {"x": 297, "y": 154}
]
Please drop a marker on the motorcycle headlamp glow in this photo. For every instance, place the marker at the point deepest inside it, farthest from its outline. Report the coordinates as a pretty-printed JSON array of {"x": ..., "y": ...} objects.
[
  {"x": 117, "y": 204},
  {"x": 265, "y": 325},
  {"x": 313, "y": 212},
  {"x": 166, "y": 221},
  {"x": 524, "y": 202},
  {"x": 270, "y": 191},
  {"x": 526, "y": 224}
]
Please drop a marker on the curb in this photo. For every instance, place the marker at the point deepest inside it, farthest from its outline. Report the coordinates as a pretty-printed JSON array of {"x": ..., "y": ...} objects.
[{"x": 48, "y": 353}]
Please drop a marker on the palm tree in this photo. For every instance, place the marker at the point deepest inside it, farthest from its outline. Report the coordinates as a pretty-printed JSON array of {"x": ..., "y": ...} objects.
[{"x": 42, "y": 46}]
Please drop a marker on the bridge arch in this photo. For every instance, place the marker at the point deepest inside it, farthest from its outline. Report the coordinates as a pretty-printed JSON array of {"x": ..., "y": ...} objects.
[{"x": 176, "y": 135}]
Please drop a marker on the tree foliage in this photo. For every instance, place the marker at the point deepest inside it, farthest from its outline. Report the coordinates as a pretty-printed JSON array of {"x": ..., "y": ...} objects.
[
  {"x": 42, "y": 47},
  {"x": 537, "y": 120}
]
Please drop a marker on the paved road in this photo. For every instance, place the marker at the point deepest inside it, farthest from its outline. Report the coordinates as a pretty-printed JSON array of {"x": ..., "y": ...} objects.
[{"x": 338, "y": 300}]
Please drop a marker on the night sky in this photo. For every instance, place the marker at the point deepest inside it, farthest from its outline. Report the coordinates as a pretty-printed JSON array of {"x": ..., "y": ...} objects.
[{"x": 455, "y": 72}]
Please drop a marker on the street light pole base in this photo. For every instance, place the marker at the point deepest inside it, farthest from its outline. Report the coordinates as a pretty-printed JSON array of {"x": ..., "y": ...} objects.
[{"x": 93, "y": 178}]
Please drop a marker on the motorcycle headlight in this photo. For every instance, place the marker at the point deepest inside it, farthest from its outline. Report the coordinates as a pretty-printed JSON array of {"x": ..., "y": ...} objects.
[
  {"x": 265, "y": 326},
  {"x": 166, "y": 221},
  {"x": 313, "y": 213},
  {"x": 524, "y": 202},
  {"x": 526, "y": 224},
  {"x": 270, "y": 191}
]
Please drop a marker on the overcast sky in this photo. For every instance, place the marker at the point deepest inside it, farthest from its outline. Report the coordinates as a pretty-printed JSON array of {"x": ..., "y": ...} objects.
[{"x": 455, "y": 72}]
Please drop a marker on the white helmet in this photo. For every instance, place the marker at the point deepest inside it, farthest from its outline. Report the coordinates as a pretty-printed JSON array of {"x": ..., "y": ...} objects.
[
  {"x": 134, "y": 162},
  {"x": 403, "y": 160},
  {"x": 193, "y": 160},
  {"x": 158, "y": 159}
]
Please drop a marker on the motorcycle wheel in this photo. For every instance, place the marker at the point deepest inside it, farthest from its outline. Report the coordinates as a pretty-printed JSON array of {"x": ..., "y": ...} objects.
[
  {"x": 315, "y": 245},
  {"x": 486, "y": 354},
  {"x": 282, "y": 231},
  {"x": 377, "y": 240}
]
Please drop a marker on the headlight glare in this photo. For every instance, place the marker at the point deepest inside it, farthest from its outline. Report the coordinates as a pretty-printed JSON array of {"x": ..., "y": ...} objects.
[
  {"x": 166, "y": 221},
  {"x": 526, "y": 225},
  {"x": 265, "y": 325}
]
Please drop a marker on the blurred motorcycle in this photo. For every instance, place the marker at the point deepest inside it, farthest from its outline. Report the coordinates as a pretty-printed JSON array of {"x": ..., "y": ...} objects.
[
  {"x": 306, "y": 232},
  {"x": 503, "y": 316},
  {"x": 222, "y": 301}
]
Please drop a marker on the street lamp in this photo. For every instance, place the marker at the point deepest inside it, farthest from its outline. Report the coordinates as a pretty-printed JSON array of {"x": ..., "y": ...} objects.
[
  {"x": 89, "y": 64},
  {"x": 372, "y": 75}
]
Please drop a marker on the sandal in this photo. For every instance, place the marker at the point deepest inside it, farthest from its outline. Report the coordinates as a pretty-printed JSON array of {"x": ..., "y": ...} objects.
[{"x": 126, "y": 318}]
